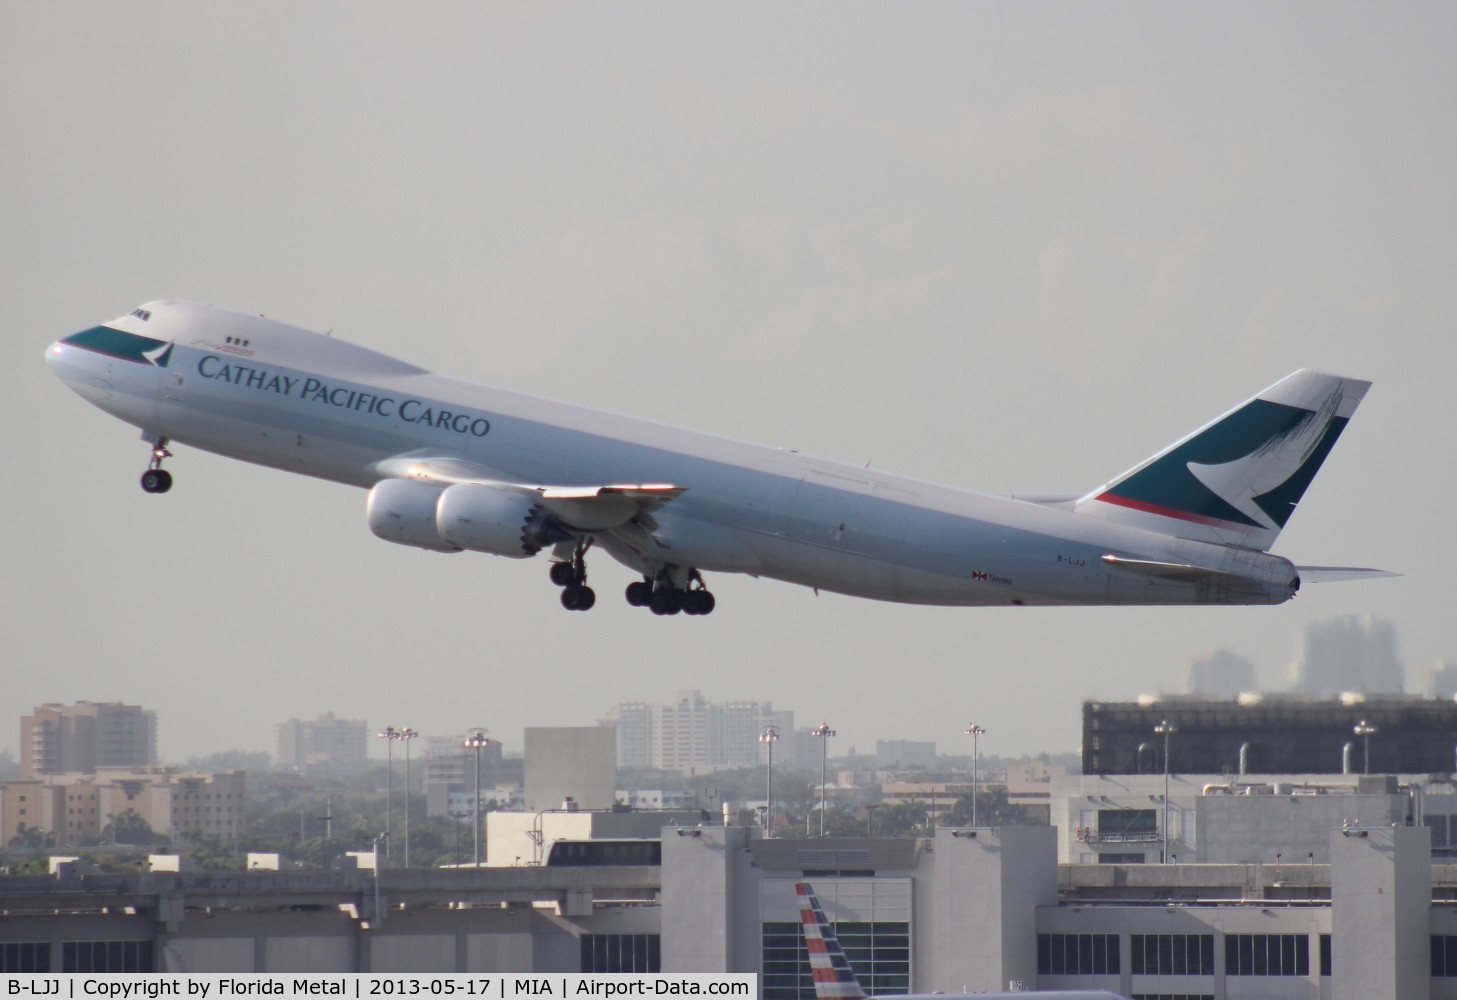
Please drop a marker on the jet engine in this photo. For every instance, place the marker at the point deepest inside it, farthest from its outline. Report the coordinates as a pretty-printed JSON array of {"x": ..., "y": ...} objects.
[
  {"x": 403, "y": 511},
  {"x": 501, "y": 522}
]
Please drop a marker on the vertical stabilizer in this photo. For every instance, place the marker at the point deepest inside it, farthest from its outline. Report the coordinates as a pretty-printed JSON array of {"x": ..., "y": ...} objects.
[
  {"x": 1237, "y": 480},
  {"x": 831, "y": 970}
]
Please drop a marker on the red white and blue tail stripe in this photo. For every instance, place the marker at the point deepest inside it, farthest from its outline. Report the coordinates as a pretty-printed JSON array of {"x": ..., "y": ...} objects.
[{"x": 832, "y": 976}]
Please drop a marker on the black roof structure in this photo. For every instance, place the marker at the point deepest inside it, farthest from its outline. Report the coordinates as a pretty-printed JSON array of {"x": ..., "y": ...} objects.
[{"x": 1282, "y": 735}]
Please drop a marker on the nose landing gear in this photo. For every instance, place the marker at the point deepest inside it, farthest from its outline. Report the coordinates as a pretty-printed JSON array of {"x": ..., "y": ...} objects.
[{"x": 157, "y": 479}]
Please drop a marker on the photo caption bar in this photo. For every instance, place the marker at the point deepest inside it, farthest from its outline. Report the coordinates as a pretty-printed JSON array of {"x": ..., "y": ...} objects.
[{"x": 497, "y": 986}]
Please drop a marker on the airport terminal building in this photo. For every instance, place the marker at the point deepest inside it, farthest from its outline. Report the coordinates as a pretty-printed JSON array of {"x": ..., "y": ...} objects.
[{"x": 970, "y": 910}]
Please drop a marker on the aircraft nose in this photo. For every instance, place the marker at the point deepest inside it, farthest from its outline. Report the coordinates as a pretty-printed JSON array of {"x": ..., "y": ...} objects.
[
  {"x": 55, "y": 356},
  {"x": 70, "y": 363}
]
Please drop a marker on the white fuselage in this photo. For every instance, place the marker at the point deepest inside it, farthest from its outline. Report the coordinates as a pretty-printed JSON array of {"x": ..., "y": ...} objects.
[{"x": 264, "y": 392}]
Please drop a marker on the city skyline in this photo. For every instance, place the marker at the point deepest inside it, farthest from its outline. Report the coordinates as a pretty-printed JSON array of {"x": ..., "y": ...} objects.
[
  {"x": 1001, "y": 247},
  {"x": 1320, "y": 638}
]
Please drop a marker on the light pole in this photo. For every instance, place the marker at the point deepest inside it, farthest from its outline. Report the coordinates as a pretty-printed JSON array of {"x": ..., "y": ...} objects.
[
  {"x": 477, "y": 740},
  {"x": 1365, "y": 730},
  {"x": 457, "y": 816},
  {"x": 975, "y": 732},
  {"x": 824, "y": 732},
  {"x": 769, "y": 737},
  {"x": 378, "y": 913},
  {"x": 389, "y": 735},
  {"x": 327, "y": 820},
  {"x": 405, "y": 736},
  {"x": 1166, "y": 729}
]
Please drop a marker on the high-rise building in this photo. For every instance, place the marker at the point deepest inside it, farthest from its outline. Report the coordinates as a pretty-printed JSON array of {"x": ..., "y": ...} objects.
[
  {"x": 1349, "y": 653},
  {"x": 1441, "y": 679},
  {"x": 692, "y": 733},
  {"x": 76, "y": 809},
  {"x": 897, "y": 754},
  {"x": 450, "y": 774},
  {"x": 574, "y": 763},
  {"x": 1219, "y": 674},
  {"x": 325, "y": 745},
  {"x": 634, "y": 722},
  {"x": 79, "y": 738}
]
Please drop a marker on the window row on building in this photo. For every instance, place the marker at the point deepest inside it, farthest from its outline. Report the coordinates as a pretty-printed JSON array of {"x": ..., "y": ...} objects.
[
  {"x": 1444, "y": 956},
  {"x": 1267, "y": 954},
  {"x": 1193, "y": 954},
  {"x": 1172, "y": 954},
  {"x": 879, "y": 954},
  {"x": 622, "y": 953},
  {"x": 18, "y": 957},
  {"x": 1077, "y": 955},
  {"x": 25, "y": 956}
]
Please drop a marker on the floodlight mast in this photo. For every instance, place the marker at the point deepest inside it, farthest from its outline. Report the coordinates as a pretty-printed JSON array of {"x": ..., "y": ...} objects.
[
  {"x": 405, "y": 736},
  {"x": 769, "y": 737},
  {"x": 389, "y": 734},
  {"x": 1166, "y": 729},
  {"x": 975, "y": 732},
  {"x": 477, "y": 740},
  {"x": 824, "y": 732},
  {"x": 1365, "y": 730}
]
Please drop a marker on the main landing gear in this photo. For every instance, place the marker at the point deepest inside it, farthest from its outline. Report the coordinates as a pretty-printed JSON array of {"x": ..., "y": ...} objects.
[
  {"x": 662, "y": 597},
  {"x": 572, "y": 578},
  {"x": 668, "y": 592},
  {"x": 157, "y": 479}
]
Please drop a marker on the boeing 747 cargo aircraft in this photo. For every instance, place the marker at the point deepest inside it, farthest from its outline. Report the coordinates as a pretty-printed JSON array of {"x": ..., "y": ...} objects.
[{"x": 452, "y": 466}]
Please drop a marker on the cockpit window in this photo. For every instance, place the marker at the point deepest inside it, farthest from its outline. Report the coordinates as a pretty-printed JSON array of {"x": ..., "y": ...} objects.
[{"x": 142, "y": 314}]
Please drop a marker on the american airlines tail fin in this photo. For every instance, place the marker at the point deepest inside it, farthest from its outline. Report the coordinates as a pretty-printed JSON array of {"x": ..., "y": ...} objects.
[
  {"x": 1237, "y": 480},
  {"x": 831, "y": 970},
  {"x": 834, "y": 981}
]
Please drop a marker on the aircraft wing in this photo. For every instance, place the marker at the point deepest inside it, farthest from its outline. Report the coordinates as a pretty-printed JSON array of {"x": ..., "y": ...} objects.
[
  {"x": 588, "y": 508},
  {"x": 1334, "y": 574}
]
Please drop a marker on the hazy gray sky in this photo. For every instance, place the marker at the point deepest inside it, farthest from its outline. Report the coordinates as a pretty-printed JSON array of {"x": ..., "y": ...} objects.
[{"x": 1005, "y": 246}]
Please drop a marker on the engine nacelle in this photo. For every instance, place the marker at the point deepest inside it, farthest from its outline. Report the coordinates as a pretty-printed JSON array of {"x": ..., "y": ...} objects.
[
  {"x": 501, "y": 522},
  {"x": 403, "y": 511}
]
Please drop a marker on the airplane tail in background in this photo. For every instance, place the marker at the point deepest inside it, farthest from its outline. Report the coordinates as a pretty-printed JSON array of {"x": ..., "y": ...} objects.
[
  {"x": 832, "y": 976},
  {"x": 834, "y": 980},
  {"x": 1236, "y": 481}
]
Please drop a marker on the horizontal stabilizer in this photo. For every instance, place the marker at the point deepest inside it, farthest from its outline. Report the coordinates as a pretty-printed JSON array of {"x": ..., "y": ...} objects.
[
  {"x": 1335, "y": 574},
  {"x": 1185, "y": 572}
]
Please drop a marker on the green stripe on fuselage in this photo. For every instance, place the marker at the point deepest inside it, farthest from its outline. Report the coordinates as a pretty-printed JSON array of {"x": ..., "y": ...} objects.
[{"x": 120, "y": 344}]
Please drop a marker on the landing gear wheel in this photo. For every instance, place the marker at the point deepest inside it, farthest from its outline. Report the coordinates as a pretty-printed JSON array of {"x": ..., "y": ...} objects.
[
  {"x": 698, "y": 602},
  {"x": 578, "y": 598},
  {"x": 639, "y": 593},
  {"x": 156, "y": 481},
  {"x": 563, "y": 574},
  {"x": 666, "y": 601}
]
